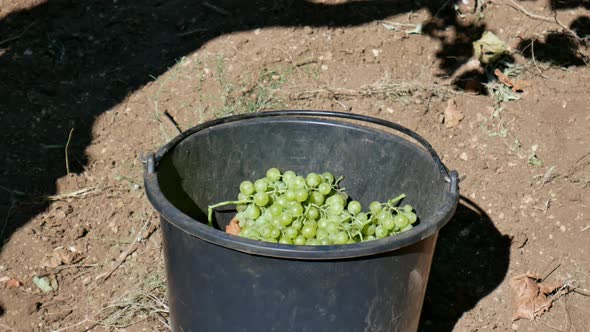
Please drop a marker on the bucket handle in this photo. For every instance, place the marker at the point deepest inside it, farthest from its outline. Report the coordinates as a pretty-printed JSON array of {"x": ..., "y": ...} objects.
[
  {"x": 450, "y": 177},
  {"x": 351, "y": 116}
]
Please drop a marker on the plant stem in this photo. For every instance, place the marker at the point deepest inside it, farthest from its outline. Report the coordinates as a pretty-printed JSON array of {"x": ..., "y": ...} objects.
[
  {"x": 394, "y": 201},
  {"x": 211, "y": 207}
]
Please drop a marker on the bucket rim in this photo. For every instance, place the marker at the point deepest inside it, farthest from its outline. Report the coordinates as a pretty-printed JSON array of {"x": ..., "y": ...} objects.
[{"x": 428, "y": 227}]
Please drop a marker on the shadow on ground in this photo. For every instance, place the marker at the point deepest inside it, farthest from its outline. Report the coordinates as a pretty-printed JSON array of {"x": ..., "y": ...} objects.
[
  {"x": 470, "y": 261},
  {"x": 63, "y": 63}
]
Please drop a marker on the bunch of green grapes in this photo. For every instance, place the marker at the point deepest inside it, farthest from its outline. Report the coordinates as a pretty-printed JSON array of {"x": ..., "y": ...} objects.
[{"x": 313, "y": 210}]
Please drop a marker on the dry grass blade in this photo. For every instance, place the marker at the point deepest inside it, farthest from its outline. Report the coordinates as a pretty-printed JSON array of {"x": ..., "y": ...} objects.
[
  {"x": 148, "y": 301},
  {"x": 548, "y": 19},
  {"x": 383, "y": 89},
  {"x": 81, "y": 193},
  {"x": 144, "y": 233},
  {"x": 17, "y": 36}
]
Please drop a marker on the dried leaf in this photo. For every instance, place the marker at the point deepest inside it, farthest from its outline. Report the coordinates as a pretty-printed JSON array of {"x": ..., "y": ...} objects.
[
  {"x": 532, "y": 298},
  {"x": 489, "y": 48},
  {"x": 233, "y": 227},
  {"x": 13, "y": 283},
  {"x": 516, "y": 86},
  {"x": 452, "y": 115},
  {"x": 503, "y": 78}
]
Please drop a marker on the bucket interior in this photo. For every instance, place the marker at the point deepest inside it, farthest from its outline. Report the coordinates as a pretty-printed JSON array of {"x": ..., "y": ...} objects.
[{"x": 208, "y": 166}]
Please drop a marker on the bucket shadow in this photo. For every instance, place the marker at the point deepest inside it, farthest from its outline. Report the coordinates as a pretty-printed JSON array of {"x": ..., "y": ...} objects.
[{"x": 470, "y": 261}]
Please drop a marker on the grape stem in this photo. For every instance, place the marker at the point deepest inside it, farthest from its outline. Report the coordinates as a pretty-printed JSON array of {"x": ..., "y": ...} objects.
[
  {"x": 211, "y": 207},
  {"x": 394, "y": 201}
]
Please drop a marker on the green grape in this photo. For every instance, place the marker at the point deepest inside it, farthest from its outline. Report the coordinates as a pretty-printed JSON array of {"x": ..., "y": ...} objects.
[
  {"x": 313, "y": 213},
  {"x": 275, "y": 233},
  {"x": 345, "y": 217},
  {"x": 407, "y": 208},
  {"x": 324, "y": 188},
  {"x": 291, "y": 195},
  {"x": 285, "y": 240},
  {"x": 350, "y": 241},
  {"x": 369, "y": 230},
  {"x": 389, "y": 224},
  {"x": 411, "y": 217},
  {"x": 281, "y": 186},
  {"x": 246, "y": 188},
  {"x": 328, "y": 177},
  {"x": 308, "y": 231},
  {"x": 297, "y": 224},
  {"x": 288, "y": 176},
  {"x": 323, "y": 223},
  {"x": 276, "y": 222},
  {"x": 371, "y": 238},
  {"x": 261, "y": 199},
  {"x": 298, "y": 182},
  {"x": 265, "y": 230},
  {"x": 282, "y": 201},
  {"x": 341, "y": 238},
  {"x": 313, "y": 180},
  {"x": 270, "y": 240},
  {"x": 354, "y": 207},
  {"x": 362, "y": 217},
  {"x": 317, "y": 198},
  {"x": 344, "y": 196},
  {"x": 252, "y": 212},
  {"x": 260, "y": 185},
  {"x": 285, "y": 219},
  {"x": 335, "y": 199},
  {"x": 299, "y": 240},
  {"x": 312, "y": 242},
  {"x": 321, "y": 233},
  {"x": 291, "y": 232},
  {"x": 275, "y": 210},
  {"x": 301, "y": 195},
  {"x": 241, "y": 207},
  {"x": 375, "y": 207},
  {"x": 335, "y": 209},
  {"x": 295, "y": 210},
  {"x": 384, "y": 214},
  {"x": 250, "y": 233},
  {"x": 273, "y": 174},
  {"x": 325, "y": 241},
  {"x": 380, "y": 232},
  {"x": 332, "y": 228},
  {"x": 242, "y": 197},
  {"x": 401, "y": 221},
  {"x": 407, "y": 228}
]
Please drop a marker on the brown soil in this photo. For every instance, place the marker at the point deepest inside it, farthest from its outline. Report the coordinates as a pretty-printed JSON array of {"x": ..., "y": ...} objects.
[{"x": 110, "y": 70}]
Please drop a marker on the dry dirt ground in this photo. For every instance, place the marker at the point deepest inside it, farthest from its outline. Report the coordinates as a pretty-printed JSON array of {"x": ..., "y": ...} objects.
[{"x": 111, "y": 71}]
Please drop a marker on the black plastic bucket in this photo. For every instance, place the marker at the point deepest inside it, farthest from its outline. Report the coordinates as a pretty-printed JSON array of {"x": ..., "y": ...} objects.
[{"x": 219, "y": 282}]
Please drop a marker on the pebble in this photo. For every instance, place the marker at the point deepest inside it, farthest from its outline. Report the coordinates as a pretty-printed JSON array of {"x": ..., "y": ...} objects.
[
  {"x": 324, "y": 67},
  {"x": 257, "y": 32},
  {"x": 463, "y": 156}
]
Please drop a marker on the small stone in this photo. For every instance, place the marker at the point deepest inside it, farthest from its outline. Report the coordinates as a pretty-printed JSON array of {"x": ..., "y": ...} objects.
[
  {"x": 463, "y": 156},
  {"x": 375, "y": 52},
  {"x": 60, "y": 215},
  {"x": 324, "y": 67},
  {"x": 307, "y": 30},
  {"x": 562, "y": 228},
  {"x": 514, "y": 326},
  {"x": 389, "y": 110},
  {"x": 257, "y": 32}
]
